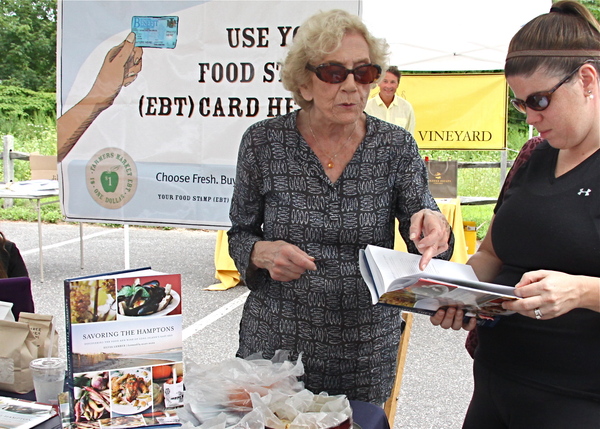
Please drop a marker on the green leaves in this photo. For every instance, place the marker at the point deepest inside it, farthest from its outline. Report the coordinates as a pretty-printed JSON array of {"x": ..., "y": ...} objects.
[
  {"x": 82, "y": 381},
  {"x": 28, "y": 44},
  {"x": 127, "y": 291},
  {"x": 18, "y": 102}
]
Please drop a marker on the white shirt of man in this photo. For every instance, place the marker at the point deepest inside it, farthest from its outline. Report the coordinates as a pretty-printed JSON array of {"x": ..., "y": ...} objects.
[{"x": 399, "y": 113}]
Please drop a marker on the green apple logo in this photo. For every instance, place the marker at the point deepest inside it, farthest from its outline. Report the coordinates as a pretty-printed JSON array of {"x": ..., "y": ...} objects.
[{"x": 110, "y": 179}]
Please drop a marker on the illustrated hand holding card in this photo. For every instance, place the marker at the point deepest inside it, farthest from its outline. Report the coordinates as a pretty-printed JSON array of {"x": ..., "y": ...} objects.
[{"x": 155, "y": 31}]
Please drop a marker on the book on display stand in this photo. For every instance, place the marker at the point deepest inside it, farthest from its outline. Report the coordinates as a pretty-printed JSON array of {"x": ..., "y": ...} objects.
[{"x": 124, "y": 349}]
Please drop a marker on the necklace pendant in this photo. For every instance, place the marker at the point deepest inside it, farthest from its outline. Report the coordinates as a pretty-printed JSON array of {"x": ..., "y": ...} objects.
[{"x": 330, "y": 164}]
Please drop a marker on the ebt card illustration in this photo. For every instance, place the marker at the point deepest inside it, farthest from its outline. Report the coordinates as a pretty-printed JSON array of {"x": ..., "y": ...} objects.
[{"x": 155, "y": 31}]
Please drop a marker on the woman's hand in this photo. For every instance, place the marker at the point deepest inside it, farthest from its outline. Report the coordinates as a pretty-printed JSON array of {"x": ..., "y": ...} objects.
[
  {"x": 430, "y": 232},
  {"x": 284, "y": 261},
  {"x": 452, "y": 318},
  {"x": 553, "y": 294}
]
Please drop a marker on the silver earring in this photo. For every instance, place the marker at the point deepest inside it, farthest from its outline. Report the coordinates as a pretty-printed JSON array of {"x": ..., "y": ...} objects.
[{"x": 590, "y": 95}]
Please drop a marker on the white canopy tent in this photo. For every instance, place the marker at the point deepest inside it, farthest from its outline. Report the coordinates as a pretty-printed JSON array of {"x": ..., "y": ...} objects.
[{"x": 441, "y": 35}]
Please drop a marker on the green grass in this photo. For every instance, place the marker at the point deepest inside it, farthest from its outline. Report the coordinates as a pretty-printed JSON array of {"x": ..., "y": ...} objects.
[
  {"x": 481, "y": 215},
  {"x": 38, "y": 134},
  {"x": 479, "y": 182}
]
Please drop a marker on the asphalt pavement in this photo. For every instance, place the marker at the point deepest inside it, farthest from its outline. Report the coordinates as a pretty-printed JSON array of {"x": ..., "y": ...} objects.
[{"x": 437, "y": 380}]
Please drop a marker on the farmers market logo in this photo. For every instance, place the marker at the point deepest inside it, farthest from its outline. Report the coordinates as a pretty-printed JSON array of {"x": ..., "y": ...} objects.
[{"x": 111, "y": 177}]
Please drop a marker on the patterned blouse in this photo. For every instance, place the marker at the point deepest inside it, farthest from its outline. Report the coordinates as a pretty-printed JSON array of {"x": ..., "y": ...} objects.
[{"x": 281, "y": 192}]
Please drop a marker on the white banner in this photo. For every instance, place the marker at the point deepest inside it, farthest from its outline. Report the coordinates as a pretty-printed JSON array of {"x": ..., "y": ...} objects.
[
  {"x": 165, "y": 150},
  {"x": 441, "y": 35}
]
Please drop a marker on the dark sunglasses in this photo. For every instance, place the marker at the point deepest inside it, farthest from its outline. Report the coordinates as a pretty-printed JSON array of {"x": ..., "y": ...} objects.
[
  {"x": 337, "y": 73},
  {"x": 539, "y": 101}
]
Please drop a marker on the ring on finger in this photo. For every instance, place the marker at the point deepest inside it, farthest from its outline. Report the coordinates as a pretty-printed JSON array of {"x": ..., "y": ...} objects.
[{"x": 538, "y": 314}]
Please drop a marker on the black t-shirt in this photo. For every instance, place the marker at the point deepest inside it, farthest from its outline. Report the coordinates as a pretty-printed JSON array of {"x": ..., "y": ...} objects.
[{"x": 549, "y": 223}]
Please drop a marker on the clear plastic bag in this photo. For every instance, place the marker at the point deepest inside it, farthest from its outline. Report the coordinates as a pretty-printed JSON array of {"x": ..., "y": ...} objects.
[
  {"x": 256, "y": 393},
  {"x": 218, "y": 395},
  {"x": 304, "y": 410}
]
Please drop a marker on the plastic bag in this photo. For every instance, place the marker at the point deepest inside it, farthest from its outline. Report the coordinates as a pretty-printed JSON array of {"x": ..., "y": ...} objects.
[
  {"x": 225, "y": 388},
  {"x": 304, "y": 410}
]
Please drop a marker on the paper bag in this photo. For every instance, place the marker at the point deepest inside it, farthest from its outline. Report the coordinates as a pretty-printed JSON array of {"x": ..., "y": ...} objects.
[
  {"x": 33, "y": 336},
  {"x": 44, "y": 331},
  {"x": 18, "y": 349},
  {"x": 442, "y": 178}
]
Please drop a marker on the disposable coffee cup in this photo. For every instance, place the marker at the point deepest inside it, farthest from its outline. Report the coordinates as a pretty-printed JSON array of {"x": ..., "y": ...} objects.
[{"x": 48, "y": 378}]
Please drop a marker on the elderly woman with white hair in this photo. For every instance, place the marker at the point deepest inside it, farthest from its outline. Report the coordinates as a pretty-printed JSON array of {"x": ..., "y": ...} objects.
[{"x": 314, "y": 187}]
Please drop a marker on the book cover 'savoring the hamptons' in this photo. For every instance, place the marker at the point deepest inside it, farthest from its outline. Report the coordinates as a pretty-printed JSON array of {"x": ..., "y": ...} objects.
[{"x": 125, "y": 348}]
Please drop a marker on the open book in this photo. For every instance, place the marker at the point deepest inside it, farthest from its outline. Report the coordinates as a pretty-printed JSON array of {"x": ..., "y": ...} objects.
[
  {"x": 23, "y": 414},
  {"x": 394, "y": 278}
]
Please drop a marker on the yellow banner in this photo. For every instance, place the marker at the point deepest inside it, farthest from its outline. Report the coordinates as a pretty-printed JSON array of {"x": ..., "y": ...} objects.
[{"x": 457, "y": 111}]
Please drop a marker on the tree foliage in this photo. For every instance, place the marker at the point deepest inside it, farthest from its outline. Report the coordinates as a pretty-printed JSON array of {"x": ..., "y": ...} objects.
[
  {"x": 593, "y": 6},
  {"x": 28, "y": 44},
  {"x": 17, "y": 102}
]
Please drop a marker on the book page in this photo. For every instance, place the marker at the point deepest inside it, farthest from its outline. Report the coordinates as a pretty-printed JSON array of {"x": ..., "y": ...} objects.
[
  {"x": 393, "y": 264},
  {"x": 474, "y": 284},
  {"x": 392, "y": 269},
  {"x": 427, "y": 296}
]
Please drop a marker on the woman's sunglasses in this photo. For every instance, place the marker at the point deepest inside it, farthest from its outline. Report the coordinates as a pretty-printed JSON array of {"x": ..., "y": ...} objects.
[
  {"x": 539, "y": 101},
  {"x": 336, "y": 73}
]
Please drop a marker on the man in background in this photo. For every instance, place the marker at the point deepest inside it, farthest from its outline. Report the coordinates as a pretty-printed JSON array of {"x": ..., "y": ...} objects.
[{"x": 390, "y": 107}]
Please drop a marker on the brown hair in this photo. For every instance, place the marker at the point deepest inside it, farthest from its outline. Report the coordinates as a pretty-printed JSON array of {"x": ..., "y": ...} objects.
[
  {"x": 394, "y": 70},
  {"x": 318, "y": 36},
  {"x": 569, "y": 27}
]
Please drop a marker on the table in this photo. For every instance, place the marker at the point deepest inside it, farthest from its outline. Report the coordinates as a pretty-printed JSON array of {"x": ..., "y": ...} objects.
[
  {"x": 477, "y": 201},
  {"x": 369, "y": 416},
  {"x": 38, "y": 190},
  {"x": 228, "y": 276},
  {"x": 366, "y": 415},
  {"x": 29, "y": 396}
]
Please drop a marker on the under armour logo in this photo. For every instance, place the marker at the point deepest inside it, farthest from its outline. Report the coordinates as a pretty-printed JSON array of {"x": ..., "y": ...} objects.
[{"x": 585, "y": 193}]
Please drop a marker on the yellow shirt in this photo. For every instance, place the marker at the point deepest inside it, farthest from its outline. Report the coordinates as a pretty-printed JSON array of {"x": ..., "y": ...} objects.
[{"x": 399, "y": 113}]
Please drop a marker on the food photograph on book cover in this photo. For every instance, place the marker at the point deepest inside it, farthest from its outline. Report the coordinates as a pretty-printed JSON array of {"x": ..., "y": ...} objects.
[
  {"x": 131, "y": 390},
  {"x": 102, "y": 300},
  {"x": 91, "y": 396},
  {"x": 147, "y": 297},
  {"x": 126, "y": 392},
  {"x": 93, "y": 300}
]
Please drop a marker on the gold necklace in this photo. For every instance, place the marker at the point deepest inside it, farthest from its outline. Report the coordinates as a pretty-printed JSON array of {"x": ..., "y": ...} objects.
[{"x": 330, "y": 164}]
